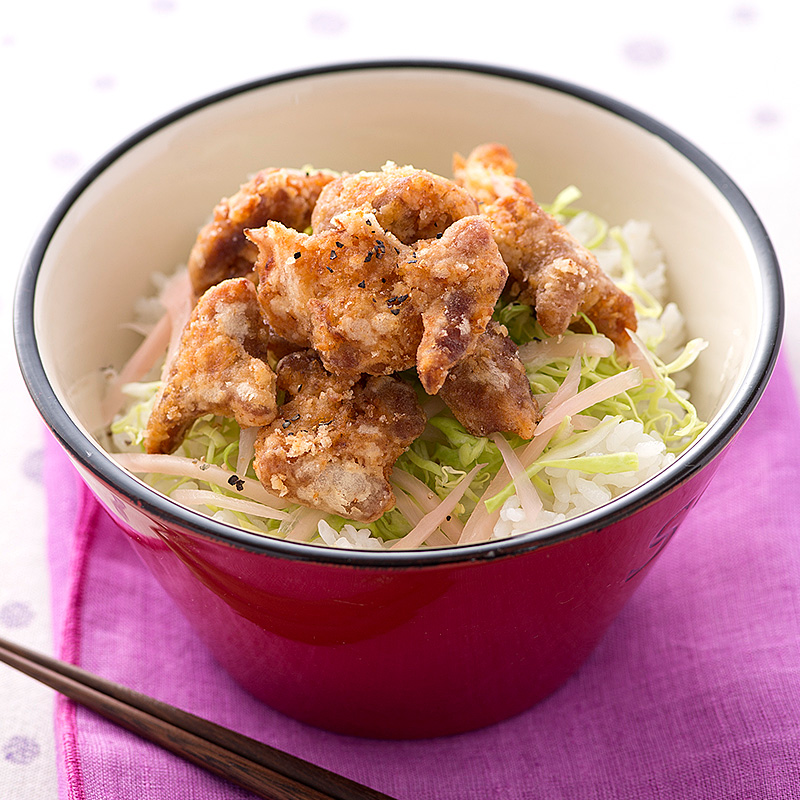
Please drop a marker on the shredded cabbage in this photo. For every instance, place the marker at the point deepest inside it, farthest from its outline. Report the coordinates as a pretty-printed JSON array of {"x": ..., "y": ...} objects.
[{"x": 440, "y": 459}]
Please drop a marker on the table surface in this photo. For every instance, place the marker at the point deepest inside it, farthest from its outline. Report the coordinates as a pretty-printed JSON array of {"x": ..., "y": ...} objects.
[{"x": 79, "y": 77}]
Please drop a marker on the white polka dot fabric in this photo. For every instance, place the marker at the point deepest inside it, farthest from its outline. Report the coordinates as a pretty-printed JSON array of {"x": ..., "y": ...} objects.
[{"x": 78, "y": 77}]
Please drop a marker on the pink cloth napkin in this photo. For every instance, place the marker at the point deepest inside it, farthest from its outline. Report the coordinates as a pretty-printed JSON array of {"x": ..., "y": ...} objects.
[{"x": 693, "y": 693}]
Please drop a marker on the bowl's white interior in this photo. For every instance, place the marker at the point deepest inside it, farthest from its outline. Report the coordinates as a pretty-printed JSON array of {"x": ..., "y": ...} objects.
[{"x": 142, "y": 213}]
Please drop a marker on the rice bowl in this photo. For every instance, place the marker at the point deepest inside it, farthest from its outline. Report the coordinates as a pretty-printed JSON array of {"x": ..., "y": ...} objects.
[{"x": 293, "y": 622}]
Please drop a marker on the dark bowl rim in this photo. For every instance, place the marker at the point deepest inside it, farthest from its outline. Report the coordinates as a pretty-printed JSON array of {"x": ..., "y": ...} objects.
[{"x": 92, "y": 458}]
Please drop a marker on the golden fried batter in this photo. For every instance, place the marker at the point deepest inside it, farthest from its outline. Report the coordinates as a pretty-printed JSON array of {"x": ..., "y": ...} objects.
[
  {"x": 367, "y": 303},
  {"x": 410, "y": 203},
  {"x": 489, "y": 173},
  {"x": 488, "y": 391},
  {"x": 553, "y": 272},
  {"x": 222, "y": 251},
  {"x": 335, "y": 442},
  {"x": 217, "y": 369},
  {"x": 402, "y": 270}
]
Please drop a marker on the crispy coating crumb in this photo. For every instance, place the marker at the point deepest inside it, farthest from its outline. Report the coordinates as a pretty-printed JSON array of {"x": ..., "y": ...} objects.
[
  {"x": 489, "y": 173},
  {"x": 219, "y": 368},
  {"x": 368, "y": 303},
  {"x": 410, "y": 203},
  {"x": 335, "y": 441},
  {"x": 222, "y": 251},
  {"x": 488, "y": 391},
  {"x": 552, "y": 271}
]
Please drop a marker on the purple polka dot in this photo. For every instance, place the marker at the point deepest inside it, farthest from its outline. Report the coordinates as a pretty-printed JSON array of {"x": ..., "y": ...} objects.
[
  {"x": 21, "y": 750},
  {"x": 16, "y": 615},
  {"x": 8, "y": 40},
  {"x": 766, "y": 117},
  {"x": 744, "y": 14},
  {"x": 65, "y": 160},
  {"x": 105, "y": 82},
  {"x": 32, "y": 465},
  {"x": 645, "y": 52},
  {"x": 327, "y": 22},
  {"x": 163, "y": 6}
]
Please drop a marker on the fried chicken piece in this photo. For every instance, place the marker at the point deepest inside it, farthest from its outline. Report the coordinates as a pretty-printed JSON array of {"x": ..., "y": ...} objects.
[
  {"x": 336, "y": 440},
  {"x": 553, "y": 272},
  {"x": 222, "y": 251},
  {"x": 410, "y": 203},
  {"x": 489, "y": 173},
  {"x": 367, "y": 303},
  {"x": 218, "y": 368},
  {"x": 488, "y": 391}
]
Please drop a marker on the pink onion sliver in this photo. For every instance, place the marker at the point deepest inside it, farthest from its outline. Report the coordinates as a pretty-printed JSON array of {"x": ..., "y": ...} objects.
[
  {"x": 413, "y": 513},
  {"x": 640, "y": 356},
  {"x": 247, "y": 441},
  {"x": 408, "y": 508},
  {"x": 306, "y": 525},
  {"x": 427, "y": 499},
  {"x": 209, "y": 498},
  {"x": 479, "y": 526},
  {"x": 526, "y": 493},
  {"x": 195, "y": 469},
  {"x": 570, "y": 385},
  {"x": 433, "y": 519},
  {"x": 423, "y": 494},
  {"x": 602, "y": 390},
  {"x": 535, "y": 447},
  {"x": 144, "y": 358},
  {"x": 178, "y": 299},
  {"x": 481, "y": 522},
  {"x": 584, "y": 344},
  {"x": 583, "y": 422}
]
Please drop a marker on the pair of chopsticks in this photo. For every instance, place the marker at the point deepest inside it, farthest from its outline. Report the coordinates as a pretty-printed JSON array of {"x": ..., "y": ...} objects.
[{"x": 259, "y": 768}]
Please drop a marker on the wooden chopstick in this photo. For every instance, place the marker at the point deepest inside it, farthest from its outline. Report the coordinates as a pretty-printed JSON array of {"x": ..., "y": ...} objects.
[{"x": 266, "y": 771}]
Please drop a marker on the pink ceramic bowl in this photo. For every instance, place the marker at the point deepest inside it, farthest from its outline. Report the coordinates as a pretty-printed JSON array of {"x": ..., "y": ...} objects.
[{"x": 351, "y": 641}]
